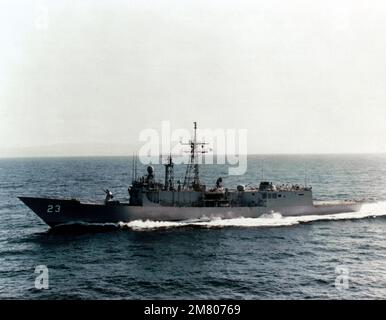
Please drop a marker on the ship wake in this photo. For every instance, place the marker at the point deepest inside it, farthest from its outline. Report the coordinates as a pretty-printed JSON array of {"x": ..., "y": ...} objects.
[{"x": 275, "y": 219}]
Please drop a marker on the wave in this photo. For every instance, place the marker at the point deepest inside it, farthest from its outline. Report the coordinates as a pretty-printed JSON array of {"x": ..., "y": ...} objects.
[{"x": 368, "y": 210}]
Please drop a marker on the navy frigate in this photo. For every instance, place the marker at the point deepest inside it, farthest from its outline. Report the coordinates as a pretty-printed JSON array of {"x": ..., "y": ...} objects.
[{"x": 190, "y": 200}]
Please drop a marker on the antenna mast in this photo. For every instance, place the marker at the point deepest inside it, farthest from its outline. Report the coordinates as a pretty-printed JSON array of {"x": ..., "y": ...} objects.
[
  {"x": 132, "y": 168},
  {"x": 193, "y": 163},
  {"x": 305, "y": 175},
  {"x": 135, "y": 167},
  {"x": 262, "y": 169}
]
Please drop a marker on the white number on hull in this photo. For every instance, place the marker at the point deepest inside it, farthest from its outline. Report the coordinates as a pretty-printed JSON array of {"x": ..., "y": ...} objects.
[{"x": 53, "y": 208}]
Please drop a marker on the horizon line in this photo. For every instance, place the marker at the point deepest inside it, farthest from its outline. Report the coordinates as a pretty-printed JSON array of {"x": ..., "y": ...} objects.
[{"x": 249, "y": 154}]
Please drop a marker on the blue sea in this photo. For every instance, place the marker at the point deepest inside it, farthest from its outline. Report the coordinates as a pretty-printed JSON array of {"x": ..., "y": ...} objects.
[{"x": 271, "y": 257}]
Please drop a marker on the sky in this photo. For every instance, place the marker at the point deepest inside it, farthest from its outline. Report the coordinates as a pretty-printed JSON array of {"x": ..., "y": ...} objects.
[{"x": 87, "y": 77}]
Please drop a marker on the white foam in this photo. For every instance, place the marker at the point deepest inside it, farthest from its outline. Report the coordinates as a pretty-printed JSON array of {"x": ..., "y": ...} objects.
[
  {"x": 149, "y": 224},
  {"x": 267, "y": 220}
]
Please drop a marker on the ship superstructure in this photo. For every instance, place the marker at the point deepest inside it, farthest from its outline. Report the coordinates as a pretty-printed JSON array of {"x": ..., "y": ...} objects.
[{"x": 145, "y": 191}]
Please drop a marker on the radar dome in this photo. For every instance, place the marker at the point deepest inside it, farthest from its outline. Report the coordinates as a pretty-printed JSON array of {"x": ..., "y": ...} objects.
[{"x": 240, "y": 187}]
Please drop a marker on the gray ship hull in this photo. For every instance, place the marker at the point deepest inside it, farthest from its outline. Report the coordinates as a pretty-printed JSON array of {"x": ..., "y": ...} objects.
[{"x": 64, "y": 211}]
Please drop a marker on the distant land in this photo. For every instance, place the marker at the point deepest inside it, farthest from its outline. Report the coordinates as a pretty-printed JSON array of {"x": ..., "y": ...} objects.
[{"x": 70, "y": 149}]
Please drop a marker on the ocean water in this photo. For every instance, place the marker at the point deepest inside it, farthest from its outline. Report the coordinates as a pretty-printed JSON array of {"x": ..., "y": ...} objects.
[{"x": 271, "y": 257}]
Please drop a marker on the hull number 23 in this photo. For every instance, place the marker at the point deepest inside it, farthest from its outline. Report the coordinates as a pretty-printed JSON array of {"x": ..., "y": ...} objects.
[{"x": 53, "y": 208}]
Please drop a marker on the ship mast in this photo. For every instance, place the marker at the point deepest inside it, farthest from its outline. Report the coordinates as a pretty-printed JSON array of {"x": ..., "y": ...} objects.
[
  {"x": 193, "y": 162},
  {"x": 169, "y": 174}
]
